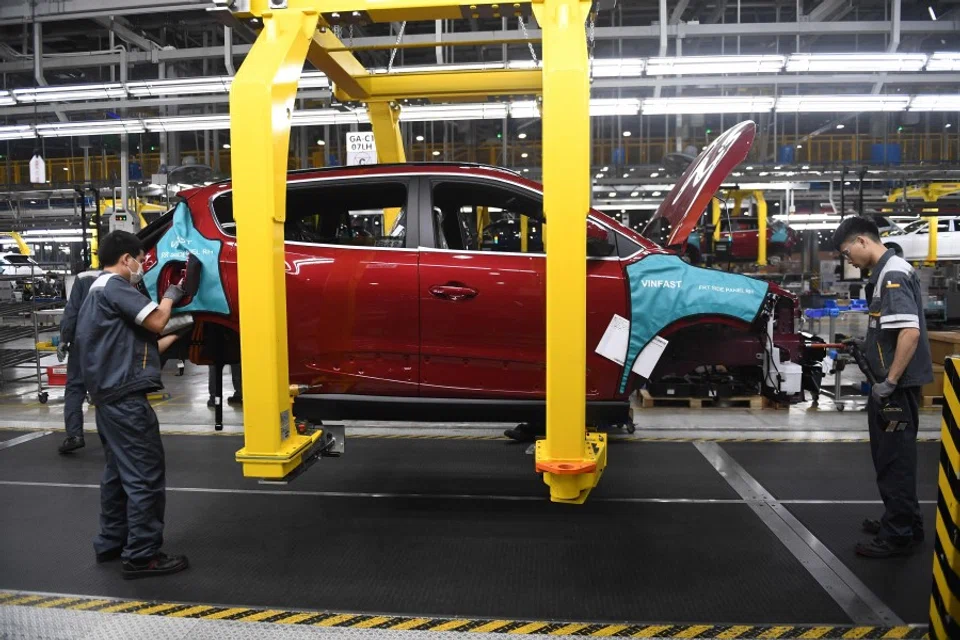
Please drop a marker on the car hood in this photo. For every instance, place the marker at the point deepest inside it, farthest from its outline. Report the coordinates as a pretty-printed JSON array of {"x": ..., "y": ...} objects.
[{"x": 682, "y": 207}]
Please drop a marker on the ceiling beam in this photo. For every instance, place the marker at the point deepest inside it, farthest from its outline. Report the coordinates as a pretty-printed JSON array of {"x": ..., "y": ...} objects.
[
  {"x": 24, "y": 11},
  {"x": 122, "y": 28}
]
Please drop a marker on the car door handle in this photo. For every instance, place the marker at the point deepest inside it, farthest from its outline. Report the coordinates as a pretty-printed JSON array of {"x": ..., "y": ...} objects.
[{"x": 454, "y": 291}]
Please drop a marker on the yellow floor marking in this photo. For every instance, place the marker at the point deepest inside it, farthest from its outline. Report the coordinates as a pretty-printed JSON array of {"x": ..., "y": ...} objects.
[
  {"x": 23, "y": 600},
  {"x": 89, "y": 604},
  {"x": 897, "y": 632},
  {"x": 225, "y": 613},
  {"x": 156, "y": 609},
  {"x": 409, "y": 624},
  {"x": 857, "y": 632},
  {"x": 816, "y": 632},
  {"x": 646, "y": 632},
  {"x": 297, "y": 618},
  {"x": 335, "y": 620},
  {"x": 493, "y": 625},
  {"x": 694, "y": 631},
  {"x": 55, "y": 603},
  {"x": 733, "y": 632},
  {"x": 611, "y": 629},
  {"x": 450, "y": 626},
  {"x": 774, "y": 632},
  {"x": 372, "y": 622},
  {"x": 117, "y": 608},
  {"x": 191, "y": 611},
  {"x": 263, "y": 615},
  {"x": 569, "y": 629},
  {"x": 529, "y": 628}
]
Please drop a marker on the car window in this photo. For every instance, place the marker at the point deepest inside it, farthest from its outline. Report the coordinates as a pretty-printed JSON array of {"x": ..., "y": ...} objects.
[
  {"x": 21, "y": 259},
  {"x": 470, "y": 216},
  {"x": 345, "y": 213},
  {"x": 920, "y": 226}
]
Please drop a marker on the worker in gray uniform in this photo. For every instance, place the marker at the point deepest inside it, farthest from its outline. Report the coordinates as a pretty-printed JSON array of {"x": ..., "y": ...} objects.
[
  {"x": 117, "y": 341},
  {"x": 898, "y": 354},
  {"x": 75, "y": 391}
]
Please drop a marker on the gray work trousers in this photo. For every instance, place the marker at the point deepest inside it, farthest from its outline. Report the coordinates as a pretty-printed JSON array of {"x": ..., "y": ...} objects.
[
  {"x": 895, "y": 461},
  {"x": 235, "y": 378},
  {"x": 73, "y": 397},
  {"x": 133, "y": 487}
]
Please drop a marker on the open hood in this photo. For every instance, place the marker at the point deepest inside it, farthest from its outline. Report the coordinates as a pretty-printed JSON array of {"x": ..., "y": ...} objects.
[{"x": 682, "y": 207}]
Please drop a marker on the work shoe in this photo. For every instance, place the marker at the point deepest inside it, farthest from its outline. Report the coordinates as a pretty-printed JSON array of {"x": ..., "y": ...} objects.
[
  {"x": 107, "y": 556},
  {"x": 525, "y": 432},
  {"x": 212, "y": 402},
  {"x": 159, "y": 565},
  {"x": 235, "y": 399},
  {"x": 873, "y": 528},
  {"x": 71, "y": 443},
  {"x": 883, "y": 548}
]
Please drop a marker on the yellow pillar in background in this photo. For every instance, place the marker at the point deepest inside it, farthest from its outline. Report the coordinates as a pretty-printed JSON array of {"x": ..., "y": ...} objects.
[
  {"x": 715, "y": 204},
  {"x": 932, "y": 241},
  {"x": 385, "y": 118},
  {"x": 761, "y": 228},
  {"x": 570, "y": 460},
  {"x": 261, "y": 108}
]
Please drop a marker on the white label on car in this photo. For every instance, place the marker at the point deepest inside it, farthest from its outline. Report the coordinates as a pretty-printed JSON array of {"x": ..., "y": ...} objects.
[{"x": 613, "y": 346}]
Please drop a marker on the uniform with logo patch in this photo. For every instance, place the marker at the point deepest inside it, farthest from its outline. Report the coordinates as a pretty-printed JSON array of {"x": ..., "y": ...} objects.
[
  {"x": 121, "y": 365},
  {"x": 75, "y": 391},
  {"x": 896, "y": 303}
]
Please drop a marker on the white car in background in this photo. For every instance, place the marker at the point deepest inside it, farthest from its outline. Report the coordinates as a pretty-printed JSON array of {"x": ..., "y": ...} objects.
[
  {"x": 16, "y": 264},
  {"x": 914, "y": 240}
]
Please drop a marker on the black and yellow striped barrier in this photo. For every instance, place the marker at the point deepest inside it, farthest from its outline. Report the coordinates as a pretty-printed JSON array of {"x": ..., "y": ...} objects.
[
  {"x": 449, "y": 625},
  {"x": 945, "y": 599}
]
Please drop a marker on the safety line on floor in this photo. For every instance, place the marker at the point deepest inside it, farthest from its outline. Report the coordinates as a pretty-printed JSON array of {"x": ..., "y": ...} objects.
[
  {"x": 27, "y": 437},
  {"x": 494, "y": 438},
  {"x": 448, "y": 625},
  {"x": 856, "y": 599}
]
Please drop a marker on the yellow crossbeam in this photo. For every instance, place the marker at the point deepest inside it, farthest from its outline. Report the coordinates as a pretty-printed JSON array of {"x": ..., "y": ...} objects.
[
  {"x": 349, "y": 11},
  {"x": 443, "y": 85}
]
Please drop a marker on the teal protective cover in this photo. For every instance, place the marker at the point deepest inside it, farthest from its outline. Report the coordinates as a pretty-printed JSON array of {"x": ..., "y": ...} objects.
[
  {"x": 664, "y": 289},
  {"x": 182, "y": 239}
]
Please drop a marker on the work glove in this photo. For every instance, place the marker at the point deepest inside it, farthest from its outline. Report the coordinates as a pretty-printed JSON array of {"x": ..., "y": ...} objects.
[
  {"x": 175, "y": 293},
  {"x": 883, "y": 390},
  {"x": 62, "y": 351},
  {"x": 851, "y": 343}
]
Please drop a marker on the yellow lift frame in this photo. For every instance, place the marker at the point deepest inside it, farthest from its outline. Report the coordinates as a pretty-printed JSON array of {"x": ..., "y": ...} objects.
[
  {"x": 931, "y": 192},
  {"x": 738, "y": 198},
  {"x": 261, "y": 106}
]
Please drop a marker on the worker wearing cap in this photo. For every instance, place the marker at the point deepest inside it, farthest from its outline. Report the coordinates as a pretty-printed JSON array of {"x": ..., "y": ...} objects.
[
  {"x": 117, "y": 341},
  {"x": 898, "y": 354},
  {"x": 74, "y": 392}
]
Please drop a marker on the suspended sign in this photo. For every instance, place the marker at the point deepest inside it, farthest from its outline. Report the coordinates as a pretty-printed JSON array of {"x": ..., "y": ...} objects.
[
  {"x": 38, "y": 170},
  {"x": 361, "y": 148}
]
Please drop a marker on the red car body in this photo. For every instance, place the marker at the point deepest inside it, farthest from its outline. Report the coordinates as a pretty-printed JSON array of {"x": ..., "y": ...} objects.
[{"x": 421, "y": 331}]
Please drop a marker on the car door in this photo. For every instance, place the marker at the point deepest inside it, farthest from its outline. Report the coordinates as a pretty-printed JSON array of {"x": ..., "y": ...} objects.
[
  {"x": 352, "y": 310},
  {"x": 483, "y": 294},
  {"x": 948, "y": 239}
]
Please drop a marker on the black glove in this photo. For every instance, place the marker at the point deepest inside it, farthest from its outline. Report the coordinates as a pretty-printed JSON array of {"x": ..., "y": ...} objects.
[
  {"x": 175, "y": 293},
  {"x": 62, "y": 351},
  {"x": 851, "y": 343}
]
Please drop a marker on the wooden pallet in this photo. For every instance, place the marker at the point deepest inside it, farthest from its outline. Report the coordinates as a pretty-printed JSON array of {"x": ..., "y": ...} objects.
[
  {"x": 932, "y": 401},
  {"x": 743, "y": 402}
]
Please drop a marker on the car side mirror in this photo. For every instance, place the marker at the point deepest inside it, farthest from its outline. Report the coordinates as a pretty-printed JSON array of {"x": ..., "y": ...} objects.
[{"x": 598, "y": 247}]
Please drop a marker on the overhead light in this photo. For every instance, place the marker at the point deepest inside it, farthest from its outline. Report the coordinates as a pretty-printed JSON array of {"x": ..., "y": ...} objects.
[
  {"x": 436, "y": 153},
  {"x": 322, "y": 142},
  {"x": 17, "y": 132},
  {"x": 429, "y": 113},
  {"x": 605, "y": 169},
  {"x": 840, "y": 126},
  {"x": 522, "y": 136},
  {"x": 947, "y": 126},
  {"x": 749, "y": 168},
  {"x": 936, "y": 103},
  {"x": 226, "y": 146},
  {"x": 95, "y": 128},
  {"x": 933, "y": 14},
  {"x": 848, "y": 62},
  {"x": 614, "y": 107},
  {"x": 841, "y": 103},
  {"x": 6, "y": 99},
  {"x": 188, "y": 123},
  {"x": 799, "y": 146},
  {"x": 313, "y": 80},
  {"x": 710, "y": 65},
  {"x": 66, "y": 168},
  {"x": 524, "y": 155},
  {"x": 804, "y": 167},
  {"x": 69, "y": 93},
  {"x": 626, "y": 175},
  {"x": 524, "y": 109},
  {"x": 627, "y": 134},
  {"x": 654, "y": 175},
  {"x": 655, "y": 194},
  {"x": 707, "y": 104},
  {"x": 617, "y": 67},
  {"x": 612, "y": 194},
  {"x": 944, "y": 61},
  {"x": 634, "y": 194},
  {"x": 180, "y": 86},
  {"x": 419, "y": 138},
  {"x": 526, "y": 170},
  {"x": 599, "y": 175}
]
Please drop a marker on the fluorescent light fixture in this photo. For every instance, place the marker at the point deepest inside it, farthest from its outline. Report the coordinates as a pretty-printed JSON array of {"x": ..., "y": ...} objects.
[
  {"x": 944, "y": 61},
  {"x": 522, "y": 136},
  {"x": 707, "y": 104},
  {"x": 814, "y": 226},
  {"x": 841, "y": 103},
  {"x": 614, "y": 107},
  {"x": 419, "y": 139},
  {"x": 629, "y": 206},
  {"x": 313, "y": 80},
  {"x": 524, "y": 109},
  {"x": 618, "y": 67},
  {"x": 714, "y": 65},
  {"x": 430, "y": 113},
  {"x": 95, "y": 128},
  {"x": 330, "y": 116},
  {"x": 933, "y": 16},
  {"x": 17, "y": 132},
  {"x": 950, "y": 102},
  {"x": 180, "y": 86},
  {"x": 69, "y": 93},
  {"x": 6, "y": 99},
  {"x": 848, "y": 62},
  {"x": 188, "y": 123}
]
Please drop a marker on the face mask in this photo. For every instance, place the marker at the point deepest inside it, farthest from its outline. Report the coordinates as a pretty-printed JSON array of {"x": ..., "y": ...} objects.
[{"x": 136, "y": 276}]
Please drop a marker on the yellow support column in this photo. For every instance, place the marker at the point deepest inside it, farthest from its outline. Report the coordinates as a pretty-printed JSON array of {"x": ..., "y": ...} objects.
[
  {"x": 716, "y": 219},
  {"x": 932, "y": 241},
  {"x": 261, "y": 107},
  {"x": 761, "y": 228},
  {"x": 524, "y": 231},
  {"x": 385, "y": 118},
  {"x": 570, "y": 460},
  {"x": 945, "y": 597}
]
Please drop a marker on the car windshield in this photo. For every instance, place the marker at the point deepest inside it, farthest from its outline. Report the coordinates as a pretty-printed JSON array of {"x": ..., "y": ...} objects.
[
  {"x": 21, "y": 259},
  {"x": 916, "y": 227}
]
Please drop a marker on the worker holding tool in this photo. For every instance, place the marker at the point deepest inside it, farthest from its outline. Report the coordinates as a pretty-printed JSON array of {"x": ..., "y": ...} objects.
[
  {"x": 119, "y": 350},
  {"x": 75, "y": 392},
  {"x": 897, "y": 355}
]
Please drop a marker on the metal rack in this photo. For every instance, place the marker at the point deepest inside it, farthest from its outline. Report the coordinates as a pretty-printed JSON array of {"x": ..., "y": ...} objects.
[{"x": 12, "y": 330}]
